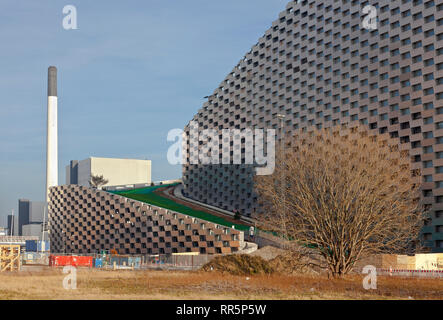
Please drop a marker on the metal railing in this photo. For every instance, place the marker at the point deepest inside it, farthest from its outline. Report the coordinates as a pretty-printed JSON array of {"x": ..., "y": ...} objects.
[{"x": 186, "y": 262}]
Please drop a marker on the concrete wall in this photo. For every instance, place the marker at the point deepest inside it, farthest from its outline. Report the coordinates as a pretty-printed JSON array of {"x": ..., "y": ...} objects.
[
  {"x": 116, "y": 171},
  {"x": 122, "y": 171},
  {"x": 429, "y": 261},
  {"x": 421, "y": 261}
]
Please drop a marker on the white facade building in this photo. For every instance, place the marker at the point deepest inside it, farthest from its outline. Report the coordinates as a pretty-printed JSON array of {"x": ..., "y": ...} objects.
[{"x": 116, "y": 171}]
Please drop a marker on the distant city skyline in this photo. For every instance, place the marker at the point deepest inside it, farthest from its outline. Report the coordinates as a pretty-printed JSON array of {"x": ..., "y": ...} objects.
[{"x": 128, "y": 75}]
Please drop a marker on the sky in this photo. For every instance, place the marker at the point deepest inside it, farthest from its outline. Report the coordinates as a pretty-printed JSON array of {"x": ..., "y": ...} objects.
[{"x": 132, "y": 71}]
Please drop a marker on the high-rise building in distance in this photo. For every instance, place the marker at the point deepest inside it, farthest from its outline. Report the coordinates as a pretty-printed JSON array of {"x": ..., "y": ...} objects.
[
  {"x": 31, "y": 215},
  {"x": 320, "y": 67}
]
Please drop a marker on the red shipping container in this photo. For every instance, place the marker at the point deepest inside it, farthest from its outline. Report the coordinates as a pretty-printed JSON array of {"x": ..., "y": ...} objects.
[{"x": 76, "y": 261}]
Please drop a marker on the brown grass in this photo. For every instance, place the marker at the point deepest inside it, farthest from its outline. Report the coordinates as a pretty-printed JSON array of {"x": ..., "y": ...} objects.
[
  {"x": 96, "y": 284},
  {"x": 239, "y": 264}
]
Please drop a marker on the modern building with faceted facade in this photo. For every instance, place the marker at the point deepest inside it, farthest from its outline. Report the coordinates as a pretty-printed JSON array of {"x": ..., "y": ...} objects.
[
  {"x": 84, "y": 220},
  {"x": 320, "y": 68}
]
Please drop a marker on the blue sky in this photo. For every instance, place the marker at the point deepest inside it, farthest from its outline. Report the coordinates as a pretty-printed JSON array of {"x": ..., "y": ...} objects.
[{"x": 130, "y": 73}]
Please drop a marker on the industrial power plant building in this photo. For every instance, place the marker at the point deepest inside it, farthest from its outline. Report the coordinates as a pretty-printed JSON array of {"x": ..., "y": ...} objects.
[
  {"x": 85, "y": 220},
  {"x": 116, "y": 171},
  {"x": 319, "y": 67}
]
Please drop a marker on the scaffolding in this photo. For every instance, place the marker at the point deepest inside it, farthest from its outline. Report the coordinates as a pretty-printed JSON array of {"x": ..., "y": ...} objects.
[{"x": 9, "y": 257}]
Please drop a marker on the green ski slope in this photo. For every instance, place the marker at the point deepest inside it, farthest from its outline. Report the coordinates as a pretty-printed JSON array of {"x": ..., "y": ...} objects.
[{"x": 147, "y": 195}]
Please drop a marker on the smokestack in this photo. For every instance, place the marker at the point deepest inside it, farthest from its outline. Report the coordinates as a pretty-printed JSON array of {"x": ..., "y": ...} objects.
[{"x": 52, "y": 133}]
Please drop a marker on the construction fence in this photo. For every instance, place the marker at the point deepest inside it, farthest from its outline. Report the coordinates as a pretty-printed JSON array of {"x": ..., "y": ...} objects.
[
  {"x": 109, "y": 261},
  {"x": 185, "y": 262},
  {"x": 410, "y": 273},
  {"x": 35, "y": 258}
]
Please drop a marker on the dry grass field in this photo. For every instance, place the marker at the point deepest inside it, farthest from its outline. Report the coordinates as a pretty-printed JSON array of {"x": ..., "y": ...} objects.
[{"x": 98, "y": 284}]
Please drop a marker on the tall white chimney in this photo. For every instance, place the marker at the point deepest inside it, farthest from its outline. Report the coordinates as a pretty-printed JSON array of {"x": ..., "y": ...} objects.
[{"x": 52, "y": 133}]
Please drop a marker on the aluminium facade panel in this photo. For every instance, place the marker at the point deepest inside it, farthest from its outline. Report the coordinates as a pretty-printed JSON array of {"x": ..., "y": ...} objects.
[
  {"x": 84, "y": 220},
  {"x": 319, "y": 67}
]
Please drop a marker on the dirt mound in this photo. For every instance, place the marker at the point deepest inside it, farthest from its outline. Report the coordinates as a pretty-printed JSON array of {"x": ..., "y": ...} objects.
[
  {"x": 239, "y": 264},
  {"x": 268, "y": 252},
  {"x": 283, "y": 264},
  {"x": 286, "y": 264}
]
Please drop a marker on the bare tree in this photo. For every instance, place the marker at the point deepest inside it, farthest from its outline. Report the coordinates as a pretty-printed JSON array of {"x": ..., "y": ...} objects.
[
  {"x": 97, "y": 181},
  {"x": 347, "y": 195}
]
